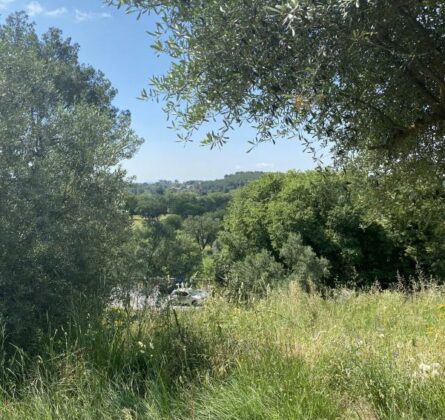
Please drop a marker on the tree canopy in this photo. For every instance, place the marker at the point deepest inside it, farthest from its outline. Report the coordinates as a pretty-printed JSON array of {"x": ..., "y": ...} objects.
[
  {"x": 323, "y": 210},
  {"x": 62, "y": 215},
  {"x": 366, "y": 75}
]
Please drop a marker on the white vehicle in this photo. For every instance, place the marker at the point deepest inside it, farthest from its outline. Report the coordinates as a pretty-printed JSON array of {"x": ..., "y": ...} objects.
[{"x": 187, "y": 297}]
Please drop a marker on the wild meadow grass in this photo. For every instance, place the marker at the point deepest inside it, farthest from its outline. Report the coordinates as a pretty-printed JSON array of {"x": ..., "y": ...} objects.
[{"x": 291, "y": 356}]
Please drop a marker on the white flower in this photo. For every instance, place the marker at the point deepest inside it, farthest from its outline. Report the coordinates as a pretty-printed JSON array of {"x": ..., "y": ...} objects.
[
  {"x": 426, "y": 371},
  {"x": 424, "y": 368}
]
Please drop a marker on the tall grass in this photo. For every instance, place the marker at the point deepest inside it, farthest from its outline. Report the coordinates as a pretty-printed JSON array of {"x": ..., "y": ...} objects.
[{"x": 290, "y": 356}]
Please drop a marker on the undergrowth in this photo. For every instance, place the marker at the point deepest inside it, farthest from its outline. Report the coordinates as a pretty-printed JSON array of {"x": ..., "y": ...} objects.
[{"x": 289, "y": 356}]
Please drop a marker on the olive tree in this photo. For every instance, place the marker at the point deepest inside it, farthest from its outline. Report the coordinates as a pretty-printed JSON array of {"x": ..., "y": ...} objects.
[
  {"x": 365, "y": 75},
  {"x": 62, "y": 191}
]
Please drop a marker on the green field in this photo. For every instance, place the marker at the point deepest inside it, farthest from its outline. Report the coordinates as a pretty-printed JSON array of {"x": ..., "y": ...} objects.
[{"x": 290, "y": 356}]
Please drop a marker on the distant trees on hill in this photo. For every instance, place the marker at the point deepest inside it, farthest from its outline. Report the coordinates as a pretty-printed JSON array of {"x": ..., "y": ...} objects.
[
  {"x": 228, "y": 183},
  {"x": 190, "y": 198}
]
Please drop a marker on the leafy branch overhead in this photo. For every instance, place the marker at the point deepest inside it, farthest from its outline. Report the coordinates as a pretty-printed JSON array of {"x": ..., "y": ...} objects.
[{"x": 362, "y": 74}]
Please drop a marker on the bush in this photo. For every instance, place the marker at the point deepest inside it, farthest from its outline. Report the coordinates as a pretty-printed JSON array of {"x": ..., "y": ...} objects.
[
  {"x": 254, "y": 275},
  {"x": 303, "y": 263}
]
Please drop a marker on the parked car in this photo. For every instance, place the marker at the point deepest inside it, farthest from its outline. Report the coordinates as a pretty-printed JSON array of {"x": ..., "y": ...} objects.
[{"x": 187, "y": 297}]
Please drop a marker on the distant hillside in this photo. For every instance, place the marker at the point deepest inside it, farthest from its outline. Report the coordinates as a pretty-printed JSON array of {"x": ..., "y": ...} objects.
[{"x": 228, "y": 183}]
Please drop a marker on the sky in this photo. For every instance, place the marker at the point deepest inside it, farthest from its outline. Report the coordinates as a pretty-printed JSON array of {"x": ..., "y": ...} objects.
[{"x": 118, "y": 45}]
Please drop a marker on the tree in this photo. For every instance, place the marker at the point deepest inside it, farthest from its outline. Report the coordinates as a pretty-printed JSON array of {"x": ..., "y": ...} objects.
[
  {"x": 321, "y": 210},
  {"x": 151, "y": 205},
  {"x": 203, "y": 229},
  {"x": 183, "y": 203},
  {"x": 62, "y": 191},
  {"x": 410, "y": 203},
  {"x": 367, "y": 75},
  {"x": 163, "y": 251},
  {"x": 303, "y": 263}
]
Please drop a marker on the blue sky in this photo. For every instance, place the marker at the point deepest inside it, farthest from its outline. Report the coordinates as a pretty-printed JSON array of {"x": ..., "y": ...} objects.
[{"x": 118, "y": 45}]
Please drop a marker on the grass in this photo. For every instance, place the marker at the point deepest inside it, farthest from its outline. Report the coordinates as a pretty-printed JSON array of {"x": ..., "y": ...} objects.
[
  {"x": 291, "y": 356},
  {"x": 138, "y": 221}
]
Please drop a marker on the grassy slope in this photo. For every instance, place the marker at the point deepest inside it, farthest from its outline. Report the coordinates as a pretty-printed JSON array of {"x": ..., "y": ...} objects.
[{"x": 288, "y": 357}]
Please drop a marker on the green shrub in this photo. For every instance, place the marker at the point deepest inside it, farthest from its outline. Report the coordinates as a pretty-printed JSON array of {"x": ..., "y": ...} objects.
[
  {"x": 254, "y": 276},
  {"x": 303, "y": 263}
]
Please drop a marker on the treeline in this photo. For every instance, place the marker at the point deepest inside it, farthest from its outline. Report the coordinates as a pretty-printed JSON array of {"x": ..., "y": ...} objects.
[
  {"x": 190, "y": 198},
  {"x": 180, "y": 203},
  {"x": 227, "y": 184}
]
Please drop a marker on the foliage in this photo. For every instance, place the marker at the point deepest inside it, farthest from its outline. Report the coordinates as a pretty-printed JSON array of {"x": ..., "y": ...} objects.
[
  {"x": 410, "y": 202},
  {"x": 160, "y": 250},
  {"x": 149, "y": 205},
  {"x": 172, "y": 220},
  {"x": 303, "y": 263},
  {"x": 62, "y": 218},
  {"x": 181, "y": 203},
  {"x": 364, "y": 74},
  {"x": 225, "y": 185},
  {"x": 203, "y": 229},
  {"x": 254, "y": 276},
  {"x": 320, "y": 207},
  {"x": 208, "y": 269},
  {"x": 257, "y": 274}
]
